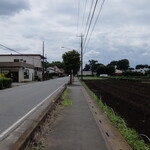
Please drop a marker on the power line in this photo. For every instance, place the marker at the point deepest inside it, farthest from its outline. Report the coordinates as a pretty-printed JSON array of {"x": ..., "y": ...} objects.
[
  {"x": 88, "y": 18},
  {"x": 9, "y": 48},
  {"x": 84, "y": 14},
  {"x": 95, "y": 24},
  {"x": 78, "y": 15},
  {"x": 17, "y": 52},
  {"x": 90, "y": 23}
]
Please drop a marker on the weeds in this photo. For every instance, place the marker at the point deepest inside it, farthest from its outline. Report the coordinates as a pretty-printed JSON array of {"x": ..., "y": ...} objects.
[
  {"x": 39, "y": 139},
  {"x": 66, "y": 102},
  {"x": 130, "y": 135}
]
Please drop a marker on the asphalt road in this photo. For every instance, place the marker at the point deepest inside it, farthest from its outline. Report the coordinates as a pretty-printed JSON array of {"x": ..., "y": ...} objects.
[{"x": 18, "y": 101}]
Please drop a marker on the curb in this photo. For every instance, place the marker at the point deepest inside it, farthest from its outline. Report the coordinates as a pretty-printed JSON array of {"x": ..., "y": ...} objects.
[
  {"x": 113, "y": 138},
  {"x": 20, "y": 136}
]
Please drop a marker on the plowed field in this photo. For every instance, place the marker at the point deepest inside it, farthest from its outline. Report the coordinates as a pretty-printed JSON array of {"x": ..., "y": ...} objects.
[{"x": 131, "y": 100}]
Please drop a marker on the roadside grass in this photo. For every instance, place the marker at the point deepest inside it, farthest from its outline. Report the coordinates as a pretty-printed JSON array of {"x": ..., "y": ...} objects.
[
  {"x": 130, "y": 135},
  {"x": 129, "y": 78},
  {"x": 40, "y": 146},
  {"x": 92, "y": 78},
  {"x": 39, "y": 139},
  {"x": 65, "y": 101},
  {"x": 64, "y": 95}
]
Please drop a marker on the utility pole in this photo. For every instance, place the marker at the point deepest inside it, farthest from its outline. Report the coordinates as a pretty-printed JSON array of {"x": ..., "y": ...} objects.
[
  {"x": 81, "y": 57},
  {"x": 43, "y": 63}
]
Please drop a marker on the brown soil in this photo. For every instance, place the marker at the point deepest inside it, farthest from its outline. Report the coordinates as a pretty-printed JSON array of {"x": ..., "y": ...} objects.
[{"x": 131, "y": 100}]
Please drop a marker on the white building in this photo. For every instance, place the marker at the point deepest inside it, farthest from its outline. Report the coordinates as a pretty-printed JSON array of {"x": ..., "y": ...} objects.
[
  {"x": 21, "y": 67},
  {"x": 86, "y": 73},
  {"x": 142, "y": 70}
]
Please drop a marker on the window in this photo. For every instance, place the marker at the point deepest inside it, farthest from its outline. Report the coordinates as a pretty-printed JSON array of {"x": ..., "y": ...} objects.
[
  {"x": 26, "y": 74},
  {"x": 16, "y": 60}
]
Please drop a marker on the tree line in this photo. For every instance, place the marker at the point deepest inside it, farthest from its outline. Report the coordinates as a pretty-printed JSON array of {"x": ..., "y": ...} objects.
[
  {"x": 109, "y": 69},
  {"x": 71, "y": 62}
]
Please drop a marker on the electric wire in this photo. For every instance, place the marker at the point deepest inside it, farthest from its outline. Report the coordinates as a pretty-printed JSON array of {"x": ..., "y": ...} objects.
[
  {"x": 100, "y": 10},
  {"x": 78, "y": 15},
  {"x": 84, "y": 14},
  {"x": 17, "y": 52},
  {"x": 88, "y": 18},
  {"x": 9, "y": 48},
  {"x": 90, "y": 23}
]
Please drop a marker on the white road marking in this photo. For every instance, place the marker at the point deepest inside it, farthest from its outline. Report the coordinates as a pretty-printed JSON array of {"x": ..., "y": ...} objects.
[{"x": 16, "y": 124}]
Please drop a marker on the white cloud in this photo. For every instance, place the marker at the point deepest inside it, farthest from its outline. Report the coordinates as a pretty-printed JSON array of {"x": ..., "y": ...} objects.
[
  {"x": 146, "y": 54},
  {"x": 123, "y": 29}
]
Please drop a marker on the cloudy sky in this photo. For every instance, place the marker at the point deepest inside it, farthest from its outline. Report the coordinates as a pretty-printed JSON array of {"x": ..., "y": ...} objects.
[{"x": 122, "y": 31}]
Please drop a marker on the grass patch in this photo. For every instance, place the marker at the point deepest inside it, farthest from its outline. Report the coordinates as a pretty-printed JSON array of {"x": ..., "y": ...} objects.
[
  {"x": 128, "y": 78},
  {"x": 66, "y": 102},
  {"x": 64, "y": 95},
  {"x": 92, "y": 78},
  {"x": 130, "y": 135}
]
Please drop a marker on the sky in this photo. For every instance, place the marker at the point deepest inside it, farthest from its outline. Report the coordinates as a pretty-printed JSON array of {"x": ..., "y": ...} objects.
[{"x": 121, "y": 32}]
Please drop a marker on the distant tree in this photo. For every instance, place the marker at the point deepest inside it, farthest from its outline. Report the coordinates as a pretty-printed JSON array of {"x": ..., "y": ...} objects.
[
  {"x": 56, "y": 63},
  {"x": 131, "y": 73},
  {"x": 46, "y": 64},
  {"x": 131, "y": 68},
  {"x": 101, "y": 69},
  {"x": 141, "y": 66},
  {"x": 71, "y": 61},
  {"x": 147, "y": 73},
  {"x": 123, "y": 64},
  {"x": 110, "y": 70},
  {"x": 93, "y": 65},
  {"x": 113, "y": 63},
  {"x": 87, "y": 67}
]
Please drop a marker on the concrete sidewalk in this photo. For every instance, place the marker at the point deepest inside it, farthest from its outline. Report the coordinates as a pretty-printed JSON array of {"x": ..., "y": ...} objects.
[{"x": 75, "y": 128}]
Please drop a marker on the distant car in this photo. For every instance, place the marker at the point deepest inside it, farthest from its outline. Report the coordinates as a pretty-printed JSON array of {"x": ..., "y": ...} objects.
[{"x": 103, "y": 75}]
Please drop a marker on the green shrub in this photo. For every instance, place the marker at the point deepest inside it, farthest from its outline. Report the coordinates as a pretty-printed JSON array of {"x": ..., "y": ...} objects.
[{"x": 5, "y": 83}]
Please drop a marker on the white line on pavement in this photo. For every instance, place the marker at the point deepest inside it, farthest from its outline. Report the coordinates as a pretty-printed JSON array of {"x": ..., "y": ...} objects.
[{"x": 16, "y": 124}]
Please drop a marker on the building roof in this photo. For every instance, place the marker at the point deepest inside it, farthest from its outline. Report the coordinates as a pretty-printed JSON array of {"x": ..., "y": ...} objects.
[
  {"x": 15, "y": 65},
  {"x": 28, "y": 55}
]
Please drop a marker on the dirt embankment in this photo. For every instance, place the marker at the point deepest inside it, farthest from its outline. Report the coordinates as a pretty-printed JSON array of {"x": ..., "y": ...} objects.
[{"x": 131, "y": 100}]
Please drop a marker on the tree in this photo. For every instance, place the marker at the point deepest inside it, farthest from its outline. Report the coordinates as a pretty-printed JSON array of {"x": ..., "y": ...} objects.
[
  {"x": 123, "y": 64},
  {"x": 110, "y": 70},
  {"x": 71, "y": 60},
  {"x": 93, "y": 65},
  {"x": 56, "y": 63},
  {"x": 142, "y": 66},
  {"x": 113, "y": 63},
  {"x": 101, "y": 69},
  {"x": 87, "y": 67}
]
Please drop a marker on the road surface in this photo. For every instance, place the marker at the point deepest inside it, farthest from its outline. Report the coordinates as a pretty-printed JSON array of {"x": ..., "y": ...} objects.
[{"x": 18, "y": 101}]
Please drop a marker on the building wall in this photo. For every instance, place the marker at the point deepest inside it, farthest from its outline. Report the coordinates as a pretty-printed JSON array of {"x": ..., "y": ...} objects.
[
  {"x": 33, "y": 60},
  {"x": 22, "y": 75}
]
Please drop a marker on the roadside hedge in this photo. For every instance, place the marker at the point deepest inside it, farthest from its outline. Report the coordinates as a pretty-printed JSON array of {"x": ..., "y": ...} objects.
[{"x": 5, "y": 83}]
